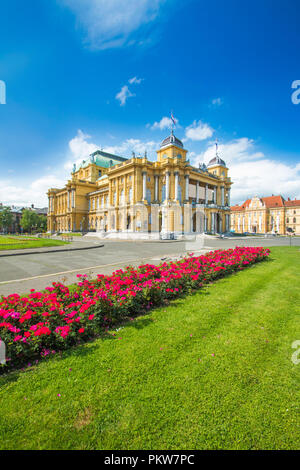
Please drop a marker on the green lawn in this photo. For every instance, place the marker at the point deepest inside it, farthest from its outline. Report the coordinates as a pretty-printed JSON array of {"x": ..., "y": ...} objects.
[
  {"x": 14, "y": 242},
  {"x": 211, "y": 371}
]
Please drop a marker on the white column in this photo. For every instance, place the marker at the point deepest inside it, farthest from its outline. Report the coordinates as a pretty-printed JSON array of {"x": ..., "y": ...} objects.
[
  {"x": 73, "y": 198},
  {"x": 222, "y": 196},
  {"x": 213, "y": 222},
  {"x": 144, "y": 185},
  {"x": 156, "y": 188},
  {"x": 228, "y": 197},
  {"x": 206, "y": 193},
  {"x": 176, "y": 185},
  {"x": 167, "y": 185},
  {"x": 205, "y": 224},
  {"x": 197, "y": 192},
  {"x": 187, "y": 183},
  {"x": 215, "y": 195},
  {"x": 227, "y": 222}
]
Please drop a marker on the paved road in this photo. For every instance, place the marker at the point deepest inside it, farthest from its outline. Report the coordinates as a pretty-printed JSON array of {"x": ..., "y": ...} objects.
[{"x": 22, "y": 273}]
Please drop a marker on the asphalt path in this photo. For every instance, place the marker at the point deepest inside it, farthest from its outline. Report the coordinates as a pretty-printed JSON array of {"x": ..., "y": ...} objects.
[{"x": 19, "y": 274}]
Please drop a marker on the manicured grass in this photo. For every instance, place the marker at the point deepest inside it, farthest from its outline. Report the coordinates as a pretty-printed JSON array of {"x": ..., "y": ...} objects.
[
  {"x": 211, "y": 371},
  {"x": 18, "y": 243}
]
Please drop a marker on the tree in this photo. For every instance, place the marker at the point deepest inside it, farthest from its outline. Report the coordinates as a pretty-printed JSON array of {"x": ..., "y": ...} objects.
[
  {"x": 29, "y": 220},
  {"x": 42, "y": 223},
  {"x": 32, "y": 221},
  {"x": 6, "y": 218}
]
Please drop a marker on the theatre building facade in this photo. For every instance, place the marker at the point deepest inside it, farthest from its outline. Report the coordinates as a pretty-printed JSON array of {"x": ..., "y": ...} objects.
[
  {"x": 272, "y": 214},
  {"x": 138, "y": 198}
]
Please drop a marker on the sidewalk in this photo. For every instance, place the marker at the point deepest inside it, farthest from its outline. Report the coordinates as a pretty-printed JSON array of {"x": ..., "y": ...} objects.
[{"x": 73, "y": 246}]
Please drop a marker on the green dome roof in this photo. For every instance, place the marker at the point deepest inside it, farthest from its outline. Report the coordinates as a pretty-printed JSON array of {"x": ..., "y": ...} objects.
[{"x": 102, "y": 159}]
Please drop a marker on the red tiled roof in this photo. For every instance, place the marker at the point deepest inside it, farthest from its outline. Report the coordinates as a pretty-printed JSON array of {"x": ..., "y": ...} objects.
[
  {"x": 270, "y": 201},
  {"x": 273, "y": 201},
  {"x": 295, "y": 202},
  {"x": 242, "y": 207}
]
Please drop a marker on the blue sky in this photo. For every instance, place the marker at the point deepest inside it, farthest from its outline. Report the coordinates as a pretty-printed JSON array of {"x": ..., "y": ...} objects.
[{"x": 87, "y": 74}]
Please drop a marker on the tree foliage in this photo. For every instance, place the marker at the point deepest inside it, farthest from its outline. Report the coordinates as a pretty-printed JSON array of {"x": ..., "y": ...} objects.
[
  {"x": 32, "y": 221},
  {"x": 6, "y": 218}
]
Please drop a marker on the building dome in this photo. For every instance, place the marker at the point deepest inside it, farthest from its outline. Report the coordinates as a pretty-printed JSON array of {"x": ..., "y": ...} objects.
[
  {"x": 171, "y": 140},
  {"x": 216, "y": 161}
]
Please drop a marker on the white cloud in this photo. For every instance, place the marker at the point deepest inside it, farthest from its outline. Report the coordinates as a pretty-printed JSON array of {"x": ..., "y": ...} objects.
[
  {"x": 135, "y": 81},
  {"x": 237, "y": 150},
  {"x": 217, "y": 102},
  {"x": 79, "y": 146},
  {"x": 80, "y": 149},
  {"x": 164, "y": 123},
  {"x": 252, "y": 172},
  {"x": 111, "y": 23},
  {"x": 126, "y": 148},
  {"x": 198, "y": 131},
  {"x": 32, "y": 193},
  {"x": 123, "y": 95}
]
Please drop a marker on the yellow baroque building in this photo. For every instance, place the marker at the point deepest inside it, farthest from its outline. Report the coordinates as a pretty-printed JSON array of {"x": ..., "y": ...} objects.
[
  {"x": 138, "y": 198},
  {"x": 271, "y": 214}
]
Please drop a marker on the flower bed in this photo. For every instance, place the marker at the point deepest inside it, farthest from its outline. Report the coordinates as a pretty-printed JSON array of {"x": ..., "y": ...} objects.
[{"x": 43, "y": 323}]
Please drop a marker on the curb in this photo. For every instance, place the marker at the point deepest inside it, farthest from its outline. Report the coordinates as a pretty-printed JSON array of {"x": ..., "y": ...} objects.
[{"x": 50, "y": 251}]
